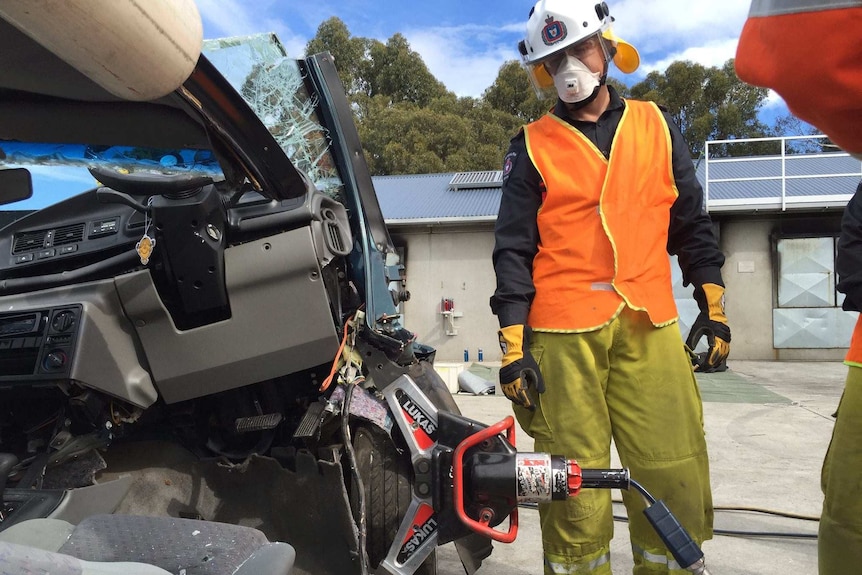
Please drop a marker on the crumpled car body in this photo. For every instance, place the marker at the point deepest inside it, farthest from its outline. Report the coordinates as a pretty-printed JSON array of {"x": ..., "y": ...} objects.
[{"x": 196, "y": 313}]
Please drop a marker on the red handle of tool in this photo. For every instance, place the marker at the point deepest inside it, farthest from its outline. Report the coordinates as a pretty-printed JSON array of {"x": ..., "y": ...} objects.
[{"x": 507, "y": 425}]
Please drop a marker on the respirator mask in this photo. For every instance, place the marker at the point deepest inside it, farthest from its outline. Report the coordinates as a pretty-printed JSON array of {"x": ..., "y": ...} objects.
[{"x": 574, "y": 81}]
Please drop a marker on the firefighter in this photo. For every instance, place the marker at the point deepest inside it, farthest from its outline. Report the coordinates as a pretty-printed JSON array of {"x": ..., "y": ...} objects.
[
  {"x": 596, "y": 193},
  {"x": 797, "y": 50}
]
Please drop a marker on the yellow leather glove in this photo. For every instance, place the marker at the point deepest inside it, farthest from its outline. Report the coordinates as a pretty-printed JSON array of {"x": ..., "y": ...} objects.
[
  {"x": 518, "y": 371},
  {"x": 711, "y": 322}
]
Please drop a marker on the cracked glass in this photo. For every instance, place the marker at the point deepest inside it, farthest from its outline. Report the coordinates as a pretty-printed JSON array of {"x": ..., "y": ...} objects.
[{"x": 273, "y": 85}]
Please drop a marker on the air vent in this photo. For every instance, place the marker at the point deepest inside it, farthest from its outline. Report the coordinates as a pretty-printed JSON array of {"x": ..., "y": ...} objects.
[
  {"x": 474, "y": 180},
  {"x": 69, "y": 234},
  {"x": 29, "y": 241},
  {"x": 335, "y": 240}
]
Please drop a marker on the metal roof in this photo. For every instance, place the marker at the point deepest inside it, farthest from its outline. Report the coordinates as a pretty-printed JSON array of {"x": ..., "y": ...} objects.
[
  {"x": 427, "y": 198},
  {"x": 790, "y": 181}
]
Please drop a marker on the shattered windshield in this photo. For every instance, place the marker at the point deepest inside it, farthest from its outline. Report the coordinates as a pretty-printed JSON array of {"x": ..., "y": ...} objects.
[
  {"x": 258, "y": 68},
  {"x": 273, "y": 86}
]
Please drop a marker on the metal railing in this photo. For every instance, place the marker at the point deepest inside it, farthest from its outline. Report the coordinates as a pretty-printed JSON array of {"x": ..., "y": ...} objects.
[{"x": 797, "y": 176}]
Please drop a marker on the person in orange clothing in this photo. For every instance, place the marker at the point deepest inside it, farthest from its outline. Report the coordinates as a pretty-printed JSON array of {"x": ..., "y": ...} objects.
[
  {"x": 595, "y": 195},
  {"x": 810, "y": 53}
]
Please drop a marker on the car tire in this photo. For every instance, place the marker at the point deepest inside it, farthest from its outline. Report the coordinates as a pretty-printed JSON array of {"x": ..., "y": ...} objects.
[{"x": 385, "y": 476}]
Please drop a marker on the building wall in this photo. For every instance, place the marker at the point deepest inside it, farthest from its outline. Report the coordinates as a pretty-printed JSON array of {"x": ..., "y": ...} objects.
[
  {"x": 453, "y": 262},
  {"x": 751, "y": 274},
  {"x": 748, "y": 279}
]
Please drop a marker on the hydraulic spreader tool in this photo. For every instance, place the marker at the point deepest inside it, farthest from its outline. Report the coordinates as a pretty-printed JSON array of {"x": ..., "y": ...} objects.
[{"x": 469, "y": 478}]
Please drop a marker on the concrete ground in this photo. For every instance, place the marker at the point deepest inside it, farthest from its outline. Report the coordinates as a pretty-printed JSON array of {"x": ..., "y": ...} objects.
[{"x": 768, "y": 425}]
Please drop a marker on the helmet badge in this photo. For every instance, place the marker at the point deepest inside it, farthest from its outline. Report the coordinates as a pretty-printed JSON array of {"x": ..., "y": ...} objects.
[{"x": 554, "y": 31}]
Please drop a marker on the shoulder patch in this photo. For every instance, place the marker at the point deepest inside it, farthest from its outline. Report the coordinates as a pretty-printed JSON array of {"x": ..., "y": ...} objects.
[{"x": 508, "y": 164}]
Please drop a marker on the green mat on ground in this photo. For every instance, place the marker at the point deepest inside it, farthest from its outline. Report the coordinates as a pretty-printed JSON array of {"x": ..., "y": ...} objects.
[
  {"x": 722, "y": 387},
  {"x": 729, "y": 387}
]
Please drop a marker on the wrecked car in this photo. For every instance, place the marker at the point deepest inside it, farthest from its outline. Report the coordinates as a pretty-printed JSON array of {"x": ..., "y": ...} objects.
[{"x": 200, "y": 353}]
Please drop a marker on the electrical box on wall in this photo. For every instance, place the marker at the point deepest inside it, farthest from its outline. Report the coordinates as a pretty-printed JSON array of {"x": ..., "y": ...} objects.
[{"x": 447, "y": 310}]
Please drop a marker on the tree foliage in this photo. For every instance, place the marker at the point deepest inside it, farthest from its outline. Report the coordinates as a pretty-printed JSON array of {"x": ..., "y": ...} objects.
[
  {"x": 512, "y": 93},
  {"x": 399, "y": 73},
  {"x": 707, "y": 104},
  {"x": 349, "y": 53},
  {"x": 449, "y": 135},
  {"x": 410, "y": 123}
]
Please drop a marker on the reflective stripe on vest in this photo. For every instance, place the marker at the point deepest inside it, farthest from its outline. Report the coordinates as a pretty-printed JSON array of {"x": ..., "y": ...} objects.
[
  {"x": 809, "y": 52},
  {"x": 854, "y": 354},
  {"x": 602, "y": 222}
]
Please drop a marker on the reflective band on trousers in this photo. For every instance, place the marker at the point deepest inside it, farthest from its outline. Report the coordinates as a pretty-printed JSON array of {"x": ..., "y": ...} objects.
[
  {"x": 570, "y": 569},
  {"x": 760, "y": 8},
  {"x": 672, "y": 565}
]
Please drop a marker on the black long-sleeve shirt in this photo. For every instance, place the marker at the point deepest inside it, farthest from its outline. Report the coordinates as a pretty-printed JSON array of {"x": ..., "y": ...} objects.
[
  {"x": 690, "y": 235},
  {"x": 848, "y": 265}
]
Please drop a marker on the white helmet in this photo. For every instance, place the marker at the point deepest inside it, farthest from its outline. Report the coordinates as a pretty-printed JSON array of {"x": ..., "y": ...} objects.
[{"x": 554, "y": 25}]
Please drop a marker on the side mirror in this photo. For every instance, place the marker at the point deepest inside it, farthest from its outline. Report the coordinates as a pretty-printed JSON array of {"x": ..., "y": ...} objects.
[{"x": 15, "y": 185}]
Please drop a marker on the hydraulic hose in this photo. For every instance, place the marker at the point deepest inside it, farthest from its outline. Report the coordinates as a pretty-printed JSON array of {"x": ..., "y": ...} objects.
[{"x": 736, "y": 532}]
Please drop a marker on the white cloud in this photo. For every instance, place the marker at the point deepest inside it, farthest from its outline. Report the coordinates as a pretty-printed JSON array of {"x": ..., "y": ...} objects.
[
  {"x": 514, "y": 28},
  {"x": 465, "y": 58},
  {"x": 228, "y": 17},
  {"x": 709, "y": 54},
  {"x": 774, "y": 101},
  {"x": 667, "y": 22},
  {"x": 224, "y": 18},
  {"x": 703, "y": 32}
]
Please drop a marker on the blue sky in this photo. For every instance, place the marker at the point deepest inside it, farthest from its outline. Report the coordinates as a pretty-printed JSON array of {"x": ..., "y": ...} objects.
[{"x": 464, "y": 42}]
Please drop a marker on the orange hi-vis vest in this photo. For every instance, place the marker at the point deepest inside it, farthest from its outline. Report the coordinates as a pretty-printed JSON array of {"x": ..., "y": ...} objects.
[
  {"x": 603, "y": 223},
  {"x": 854, "y": 354}
]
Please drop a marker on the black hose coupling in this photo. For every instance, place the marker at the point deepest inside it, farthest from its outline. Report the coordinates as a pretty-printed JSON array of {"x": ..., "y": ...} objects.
[{"x": 683, "y": 548}]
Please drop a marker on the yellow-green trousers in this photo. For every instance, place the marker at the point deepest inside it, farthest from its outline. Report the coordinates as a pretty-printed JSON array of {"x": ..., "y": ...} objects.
[
  {"x": 839, "y": 546},
  {"x": 632, "y": 382}
]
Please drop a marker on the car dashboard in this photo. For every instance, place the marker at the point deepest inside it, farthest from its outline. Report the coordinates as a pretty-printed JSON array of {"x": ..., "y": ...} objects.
[{"x": 77, "y": 305}]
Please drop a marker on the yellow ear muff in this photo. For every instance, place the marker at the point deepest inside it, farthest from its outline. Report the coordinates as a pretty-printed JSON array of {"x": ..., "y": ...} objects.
[{"x": 627, "y": 58}]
